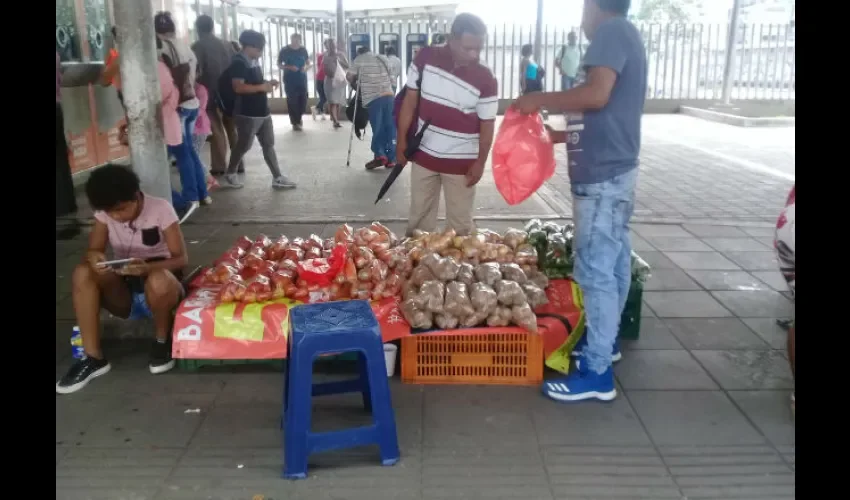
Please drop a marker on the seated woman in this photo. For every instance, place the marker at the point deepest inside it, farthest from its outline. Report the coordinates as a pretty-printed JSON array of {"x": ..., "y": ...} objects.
[{"x": 135, "y": 226}]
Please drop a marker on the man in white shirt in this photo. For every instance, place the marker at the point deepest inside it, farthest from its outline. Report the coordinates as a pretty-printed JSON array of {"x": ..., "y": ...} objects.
[{"x": 568, "y": 61}]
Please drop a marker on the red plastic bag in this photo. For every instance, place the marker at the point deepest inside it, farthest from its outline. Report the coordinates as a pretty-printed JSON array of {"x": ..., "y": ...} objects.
[
  {"x": 523, "y": 156},
  {"x": 322, "y": 272}
]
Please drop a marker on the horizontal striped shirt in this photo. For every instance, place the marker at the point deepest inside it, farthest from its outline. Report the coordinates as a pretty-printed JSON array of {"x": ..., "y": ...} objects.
[
  {"x": 373, "y": 75},
  {"x": 456, "y": 99}
]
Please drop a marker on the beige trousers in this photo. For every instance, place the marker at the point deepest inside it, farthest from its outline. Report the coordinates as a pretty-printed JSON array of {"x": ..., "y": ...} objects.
[{"x": 425, "y": 188}]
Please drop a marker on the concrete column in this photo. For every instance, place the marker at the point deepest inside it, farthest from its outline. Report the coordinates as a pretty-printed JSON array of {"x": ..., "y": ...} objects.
[
  {"x": 538, "y": 33},
  {"x": 234, "y": 28},
  {"x": 341, "y": 42},
  {"x": 139, "y": 75},
  {"x": 224, "y": 20},
  {"x": 731, "y": 43}
]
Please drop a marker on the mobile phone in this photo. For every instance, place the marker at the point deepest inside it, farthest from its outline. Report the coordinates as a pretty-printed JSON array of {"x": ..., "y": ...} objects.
[{"x": 115, "y": 264}]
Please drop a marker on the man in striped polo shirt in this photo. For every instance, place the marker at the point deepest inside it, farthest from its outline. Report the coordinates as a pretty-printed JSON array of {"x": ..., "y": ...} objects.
[{"x": 458, "y": 96}]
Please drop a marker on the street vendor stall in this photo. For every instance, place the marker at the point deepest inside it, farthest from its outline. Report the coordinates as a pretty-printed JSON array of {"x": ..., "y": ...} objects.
[{"x": 430, "y": 284}]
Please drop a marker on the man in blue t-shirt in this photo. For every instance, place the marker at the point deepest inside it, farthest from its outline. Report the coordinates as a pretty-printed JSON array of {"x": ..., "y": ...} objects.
[
  {"x": 603, "y": 143},
  {"x": 294, "y": 61}
]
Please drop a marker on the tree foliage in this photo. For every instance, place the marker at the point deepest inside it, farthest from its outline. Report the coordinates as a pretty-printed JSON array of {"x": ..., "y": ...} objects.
[{"x": 667, "y": 11}]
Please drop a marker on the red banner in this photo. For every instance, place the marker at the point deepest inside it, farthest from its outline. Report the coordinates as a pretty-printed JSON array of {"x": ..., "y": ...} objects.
[{"x": 204, "y": 328}]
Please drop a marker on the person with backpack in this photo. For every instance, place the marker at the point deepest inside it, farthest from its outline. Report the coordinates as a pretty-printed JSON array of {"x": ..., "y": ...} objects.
[
  {"x": 243, "y": 94},
  {"x": 182, "y": 64},
  {"x": 214, "y": 55},
  {"x": 568, "y": 61},
  {"x": 376, "y": 91}
]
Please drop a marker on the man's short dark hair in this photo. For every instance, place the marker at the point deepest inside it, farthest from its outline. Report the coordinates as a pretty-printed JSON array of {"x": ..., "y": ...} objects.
[
  {"x": 620, "y": 7},
  {"x": 163, "y": 24},
  {"x": 204, "y": 24},
  {"x": 470, "y": 24},
  {"x": 111, "y": 185},
  {"x": 391, "y": 51},
  {"x": 251, "y": 38},
  {"x": 526, "y": 50}
]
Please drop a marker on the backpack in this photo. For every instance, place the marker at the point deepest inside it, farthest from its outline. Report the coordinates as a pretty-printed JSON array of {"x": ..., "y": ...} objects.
[
  {"x": 180, "y": 71},
  {"x": 225, "y": 96},
  {"x": 541, "y": 73},
  {"x": 361, "y": 120}
]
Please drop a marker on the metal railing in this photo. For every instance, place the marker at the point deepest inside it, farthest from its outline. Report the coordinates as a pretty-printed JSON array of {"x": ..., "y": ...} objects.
[{"x": 685, "y": 61}]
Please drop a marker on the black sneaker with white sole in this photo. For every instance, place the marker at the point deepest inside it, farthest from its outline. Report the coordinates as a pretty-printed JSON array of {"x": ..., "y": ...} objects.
[
  {"x": 161, "y": 360},
  {"x": 81, "y": 373}
]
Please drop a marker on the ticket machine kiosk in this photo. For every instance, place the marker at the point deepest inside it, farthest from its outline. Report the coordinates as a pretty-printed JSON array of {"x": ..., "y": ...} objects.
[
  {"x": 387, "y": 40},
  {"x": 415, "y": 42},
  {"x": 356, "y": 41}
]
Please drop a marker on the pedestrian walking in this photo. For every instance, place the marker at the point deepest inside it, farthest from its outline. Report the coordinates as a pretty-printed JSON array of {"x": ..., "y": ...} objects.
[
  {"x": 182, "y": 64},
  {"x": 375, "y": 83},
  {"x": 214, "y": 56},
  {"x": 334, "y": 61},
  {"x": 250, "y": 110},
  {"x": 295, "y": 62}
]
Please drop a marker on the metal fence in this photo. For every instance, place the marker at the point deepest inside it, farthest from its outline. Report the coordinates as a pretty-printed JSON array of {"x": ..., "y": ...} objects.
[{"x": 685, "y": 61}]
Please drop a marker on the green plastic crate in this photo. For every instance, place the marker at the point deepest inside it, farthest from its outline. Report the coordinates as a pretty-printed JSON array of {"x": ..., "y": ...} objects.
[
  {"x": 630, "y": 320},
  {"x": 192, "y": 365}
]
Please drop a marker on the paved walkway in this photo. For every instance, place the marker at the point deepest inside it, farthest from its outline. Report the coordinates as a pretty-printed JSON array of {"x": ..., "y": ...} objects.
[
  {"x": 703, "y": 411},
  {"x": 691, "y": 171}
]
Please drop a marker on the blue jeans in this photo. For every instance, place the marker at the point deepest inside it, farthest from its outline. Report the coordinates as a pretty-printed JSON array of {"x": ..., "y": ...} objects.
[
  {"x": 320, "y": 89},
  {"x": 567, "y": 82},
  {"x": 601, "y": 213},
  {"x": 193, "y": 179},
  {"x": 383, "y": 127}
]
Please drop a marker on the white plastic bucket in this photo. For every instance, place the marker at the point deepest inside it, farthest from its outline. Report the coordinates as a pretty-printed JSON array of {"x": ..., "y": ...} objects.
[{"x": 390, "y": 353}]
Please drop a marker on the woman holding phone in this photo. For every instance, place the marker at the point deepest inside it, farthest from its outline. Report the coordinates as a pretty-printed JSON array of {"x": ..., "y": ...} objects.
[{"x": 144, "y": 229}]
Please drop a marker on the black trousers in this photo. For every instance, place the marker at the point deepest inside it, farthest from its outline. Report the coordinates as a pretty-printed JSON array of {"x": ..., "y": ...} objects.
[
  {"x": 296, "y": 102},
  {"x": 66, "y": 201}
]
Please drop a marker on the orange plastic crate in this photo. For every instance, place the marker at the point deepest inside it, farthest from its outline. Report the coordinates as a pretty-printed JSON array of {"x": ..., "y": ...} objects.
[{"x": 493, "y": 356}]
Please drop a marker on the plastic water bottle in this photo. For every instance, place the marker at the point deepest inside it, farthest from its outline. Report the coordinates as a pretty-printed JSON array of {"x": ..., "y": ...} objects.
[{"x": 77, "y": 344}]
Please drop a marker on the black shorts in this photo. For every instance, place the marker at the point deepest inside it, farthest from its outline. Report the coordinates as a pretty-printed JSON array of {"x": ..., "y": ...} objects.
[{"x": 136, "y": 284}]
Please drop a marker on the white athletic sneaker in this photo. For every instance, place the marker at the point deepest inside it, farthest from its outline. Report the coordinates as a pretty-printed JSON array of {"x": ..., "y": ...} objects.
[
  {"x": 282, "y": 182},
  {"x": 189, "y": 211},
  {"x": 230, "y": 181}
]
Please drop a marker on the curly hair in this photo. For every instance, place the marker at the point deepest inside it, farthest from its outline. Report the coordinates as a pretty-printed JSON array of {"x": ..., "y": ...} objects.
[{"x": 111, "y": 185}]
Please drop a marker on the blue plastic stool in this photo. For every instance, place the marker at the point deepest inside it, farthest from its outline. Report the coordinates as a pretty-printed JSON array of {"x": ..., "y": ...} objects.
[{"x": 327, "y": 328}]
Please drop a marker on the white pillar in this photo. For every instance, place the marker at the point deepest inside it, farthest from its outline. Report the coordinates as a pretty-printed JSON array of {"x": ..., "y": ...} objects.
[
  {"x": 341, "y": 42},
  {"x": 731, "y": 42},
  {"x": 224, "y": 21},
  {"x": 538, "y": 33},
  {"x": 142, "y": 98}
]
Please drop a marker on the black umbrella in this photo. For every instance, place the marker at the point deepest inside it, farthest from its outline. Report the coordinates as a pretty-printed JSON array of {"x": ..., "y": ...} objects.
[{"x": 412, "y": 147}]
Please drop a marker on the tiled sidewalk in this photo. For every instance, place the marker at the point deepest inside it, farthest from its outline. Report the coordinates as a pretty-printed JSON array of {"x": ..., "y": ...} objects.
[
  {"x": 703, "y": 411},
  {"x": 691, "y": 171}
]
